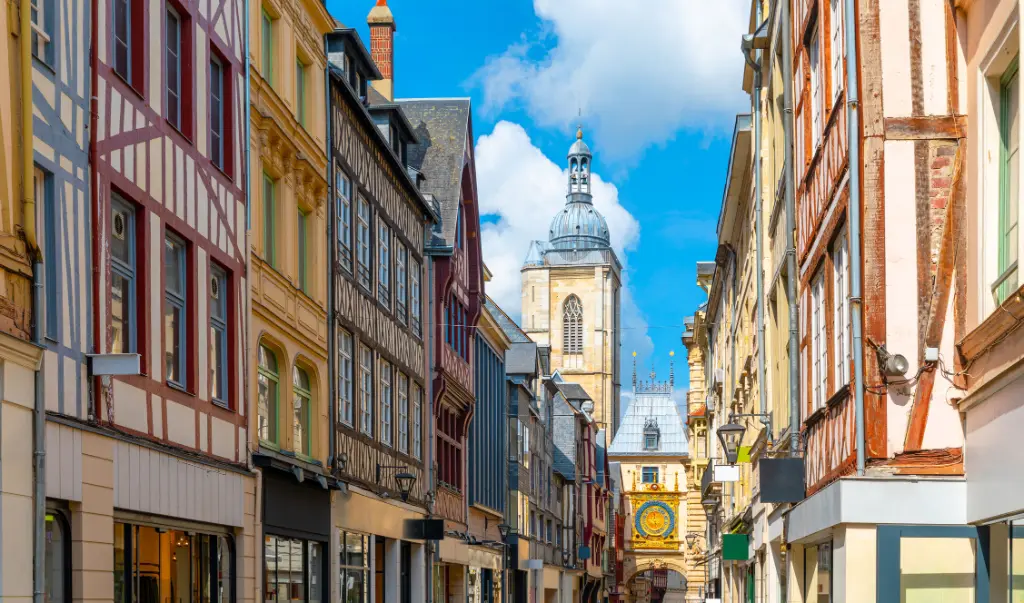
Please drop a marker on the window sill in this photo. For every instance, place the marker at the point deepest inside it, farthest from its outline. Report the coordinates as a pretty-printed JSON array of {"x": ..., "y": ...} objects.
[
  {"x": 36, "y": 59},
  {"x": 222, "y": 404},
  {"x": 179, "y": 387},
  {"x": 135, "y": 90},
  {"x": 222, "y": 171},
  {"x": 179, "y": 132}
]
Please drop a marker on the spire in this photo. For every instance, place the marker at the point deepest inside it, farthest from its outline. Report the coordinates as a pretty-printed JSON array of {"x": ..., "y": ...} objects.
[
  {"x": 634, "y": 372},
  {"x": 579, "y": 169},
  {"x": 672, "y": 369}
]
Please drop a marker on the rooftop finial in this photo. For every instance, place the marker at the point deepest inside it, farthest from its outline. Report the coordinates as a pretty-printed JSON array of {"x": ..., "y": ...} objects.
[
  {"x": 634, "y": 372},
  {"x": 579, "y": 132},
  {"x": 671, "y": 369}
]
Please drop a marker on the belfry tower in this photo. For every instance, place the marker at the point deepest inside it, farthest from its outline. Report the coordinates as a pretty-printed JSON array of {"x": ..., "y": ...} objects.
[{"x": 571, "y": 293}]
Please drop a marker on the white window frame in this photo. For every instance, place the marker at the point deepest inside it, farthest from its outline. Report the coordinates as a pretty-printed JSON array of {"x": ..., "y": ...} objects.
[
  {"x": 219, "y": 335},
  {"x": 178, "y": 300},
  {"x": 363, "y": 234},
  {"x": 403, "y": 413},
  {"x": 415, "y": 296},
  {"x": 387, "y": 402},
  {"x": 401, "y": 278},
  {"x": 838, "y": 46},
  {"x": 366, "y": 390},
  {"x": 343, "y": 197},
  {"x": 345, "y": 376},
  {"x": 417, "y": 420},
  {"x": 817, "y": 103},
  {"x": 819, "y": 343},
  {"x": 41, "y": 32},
  {"x": 383, "y": 263},
  {"x": 841, "y": 309}
]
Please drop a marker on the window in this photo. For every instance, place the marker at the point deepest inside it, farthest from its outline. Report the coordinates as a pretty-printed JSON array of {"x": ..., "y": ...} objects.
[
  {"x": 572, "y": 326},
  {"x": 819, "y": 358},
  {"x": 366, "y": 389},
  {"x": 550, "y": 531},
  {"x": 302, "y": 419},
  {"x": 175, "y": 317},
  {"x": 124, "y": 290},
  {"x": 267, "y": 381},
  {"x": 649, "y": 475},
  {"x": 300, "y": 92},
  {"x": 448, "y": 443},
  {"x": 345, "y": 377},
  {"x": 57, "y": 559},
  {"x": 417, "y": 425},
  {"x": 123, "y": 20},
  {"x": 1009, "y": 179},
  {"x": 841, "y": 305},
  {"x": 302, "y": 221},
  {"x": 363, "y": 242},
  {"x": 384, "y": 263},
  {"x": 173, "y": 67},
  {"x": 343, "y": 200},
  {"x": 219, "y": 335},
  {"x": 159, "y": 564},
  {"x": 386, "y": 403},
  {"x": 458, "y": 229},
  {"x": 414, "y": 296},
  {"x": 268, "y": 47},
  {"x": 292, "y": 569},
  {"x": 838, "y": 48},
  {"x": 42, "y": 30},
  {"x": 354, "y": 568},
  {"x": 218, "y": 111},
  {"x": 401, "y": 261},
  {"x": 45, "y": 196},
  {"x": 814, "y": 62},
  {"x": 269, "y": 219},
  {"x": 403, "y": 413}
]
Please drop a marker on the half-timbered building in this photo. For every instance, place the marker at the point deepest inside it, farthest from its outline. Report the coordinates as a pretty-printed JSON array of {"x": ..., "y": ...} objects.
[
  {"x": 378, "y": 326},
  {"x": 444, "y": 155},
  {"x": 152, "y": 457}
]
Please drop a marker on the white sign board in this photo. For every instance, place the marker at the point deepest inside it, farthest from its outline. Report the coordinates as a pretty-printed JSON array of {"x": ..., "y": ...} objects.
[{"x": 727, "y": 473}]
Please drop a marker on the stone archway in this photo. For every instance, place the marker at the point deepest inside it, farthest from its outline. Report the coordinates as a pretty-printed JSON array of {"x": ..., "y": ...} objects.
[
  {"x": 633, "y": 565},
  {"x": 656, "y": 581}
]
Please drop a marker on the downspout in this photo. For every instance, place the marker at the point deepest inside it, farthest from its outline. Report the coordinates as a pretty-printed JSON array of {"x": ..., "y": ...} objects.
[
  {"x": 332, "y": 327},
  {"x": 28, "y": 218},
  {"x": 853, "y": 141},
  {"x": 248, "y": 130},
  {"x": 791, "y": 276},
  {"x": 748, "y": 46},
  {"x": 428, "y": 338}
]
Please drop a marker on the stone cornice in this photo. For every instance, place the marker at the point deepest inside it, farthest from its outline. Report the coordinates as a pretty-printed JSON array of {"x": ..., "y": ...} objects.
[{"x": 20, "y": 351}]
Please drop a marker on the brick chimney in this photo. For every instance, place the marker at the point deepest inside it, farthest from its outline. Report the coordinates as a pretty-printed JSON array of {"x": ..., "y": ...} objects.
[{"x": 382, "y": 47}]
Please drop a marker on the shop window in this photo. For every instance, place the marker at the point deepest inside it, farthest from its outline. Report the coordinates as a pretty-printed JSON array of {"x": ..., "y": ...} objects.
[
  {"x": 268, "y": 390},
  {"x": 155, "y": 565},
  {"x": 293, "y": 570},
  {"x": 303, "y": 416},
  {"x": 354, "y": 568},
  {"x": 818, "y": 573},
  {"x": 1016, "y": 565},
  {"x": 57, "y": 585}
]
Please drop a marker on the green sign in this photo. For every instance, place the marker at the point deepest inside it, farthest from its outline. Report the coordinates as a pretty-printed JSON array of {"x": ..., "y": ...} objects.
[{"x": 735, "y": 547}]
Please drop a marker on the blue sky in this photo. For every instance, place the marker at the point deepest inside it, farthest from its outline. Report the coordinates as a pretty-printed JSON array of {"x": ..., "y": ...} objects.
[{"x": 656, "y": 84}]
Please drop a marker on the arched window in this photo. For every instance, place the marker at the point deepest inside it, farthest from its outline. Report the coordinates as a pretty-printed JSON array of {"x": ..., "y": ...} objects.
[
  {"x": 301, "y": 432},
  {"x": 572, "y": 326},
  {"x": 267, "y": 381}
]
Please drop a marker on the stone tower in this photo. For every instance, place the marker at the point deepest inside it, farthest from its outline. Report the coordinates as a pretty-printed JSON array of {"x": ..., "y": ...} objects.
[{"x": 571, "y": 289}]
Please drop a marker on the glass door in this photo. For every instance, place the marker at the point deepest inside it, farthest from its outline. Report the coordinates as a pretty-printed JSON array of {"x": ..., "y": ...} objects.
[{"x": 923, "y": 564}]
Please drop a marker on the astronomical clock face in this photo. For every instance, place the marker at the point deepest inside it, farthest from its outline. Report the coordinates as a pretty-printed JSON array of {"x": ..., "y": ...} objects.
[{"x": 655, "y": 520}]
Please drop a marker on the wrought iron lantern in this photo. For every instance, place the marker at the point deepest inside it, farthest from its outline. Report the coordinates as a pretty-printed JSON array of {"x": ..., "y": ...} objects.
[
  {"x": 504, "y": 529},
  {"x": 709, "y": 505},
  {"x": 731, "y": 434}
]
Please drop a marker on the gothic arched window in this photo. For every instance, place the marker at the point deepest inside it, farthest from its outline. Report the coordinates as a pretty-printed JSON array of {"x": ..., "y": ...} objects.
[{"x": 572, "y": 326}]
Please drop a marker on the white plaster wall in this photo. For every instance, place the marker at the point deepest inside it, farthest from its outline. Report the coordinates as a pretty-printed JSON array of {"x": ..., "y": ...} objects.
[{"x": 994, "y": 453}]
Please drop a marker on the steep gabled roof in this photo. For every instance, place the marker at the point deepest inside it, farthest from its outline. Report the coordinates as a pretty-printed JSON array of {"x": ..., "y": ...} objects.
[
  {"x": 442, "y": 128},
  {"x": 629, "y": 440},
  {"x": 509, "y": 326}
]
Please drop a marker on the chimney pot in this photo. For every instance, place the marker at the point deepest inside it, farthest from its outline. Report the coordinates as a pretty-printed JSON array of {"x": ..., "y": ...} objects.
[{"x": 382, "y": 47}]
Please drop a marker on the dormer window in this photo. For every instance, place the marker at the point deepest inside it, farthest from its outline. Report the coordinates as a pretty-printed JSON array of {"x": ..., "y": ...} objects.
[{"x": 652, "y": 435}]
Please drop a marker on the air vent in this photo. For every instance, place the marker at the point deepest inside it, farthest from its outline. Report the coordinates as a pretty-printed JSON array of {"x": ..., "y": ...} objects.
[
  {"x": 120, "y": 225},
  {"x": 215, "y": 288}
]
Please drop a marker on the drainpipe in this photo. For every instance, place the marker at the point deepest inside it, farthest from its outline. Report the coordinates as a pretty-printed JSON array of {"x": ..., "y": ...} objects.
[
  {"x": 853, "y": 140},
  {"x": 791, "y": 276},
  {"x": 28, "y": 218},
  {"x": 750, "y": 45},
  {"x": 248, "y": 129},
  {"x": 428, "y": 339},
  {"x": 332, "y": 327}
]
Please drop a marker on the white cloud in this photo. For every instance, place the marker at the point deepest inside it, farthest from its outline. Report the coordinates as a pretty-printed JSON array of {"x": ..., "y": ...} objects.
[
  {"x": 522, "y": 189},
  {"x": 640, "y": 70}
]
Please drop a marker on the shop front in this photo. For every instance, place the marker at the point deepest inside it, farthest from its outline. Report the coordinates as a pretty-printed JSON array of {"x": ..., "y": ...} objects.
[
  {"x": 296, "y": 538},
  {"x": 484, "y": 575},
  {"x": 377, "y": 561}
]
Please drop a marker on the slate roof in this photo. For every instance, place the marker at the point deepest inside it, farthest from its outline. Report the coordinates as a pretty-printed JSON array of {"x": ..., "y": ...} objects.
[
  {"x": 442, "y": 127},
  {"x": 629, "y": 440},
  {"x": 507, "y": 325},
  {"x": 573, "y": 391},
  {"x": 521, "y": 359}
]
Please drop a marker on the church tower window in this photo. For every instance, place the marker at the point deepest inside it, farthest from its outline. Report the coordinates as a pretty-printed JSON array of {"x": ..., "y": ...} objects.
[{"x": 572, "y": 326}]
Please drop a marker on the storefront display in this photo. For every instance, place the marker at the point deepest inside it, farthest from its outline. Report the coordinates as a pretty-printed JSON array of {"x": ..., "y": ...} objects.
[
  {"x": 293, "y": 570},
  {"x": 156, "y": 564},
  {"x": 354, "y": 568}
]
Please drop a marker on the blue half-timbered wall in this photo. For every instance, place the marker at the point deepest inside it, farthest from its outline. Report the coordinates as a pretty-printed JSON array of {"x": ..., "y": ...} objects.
[{"x": 487, "y": 431}]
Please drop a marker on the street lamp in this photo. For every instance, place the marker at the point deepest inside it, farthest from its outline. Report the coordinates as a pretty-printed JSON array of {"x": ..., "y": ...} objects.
[
  {"x": 565, "y": 558},
  {"x": 691, "y": 539},
  {"x": 504, "y": 529},
  {"x": 403, "y": 480},
  {"x": 731, "y": 434},
  {"x": 709, "y": 505}
]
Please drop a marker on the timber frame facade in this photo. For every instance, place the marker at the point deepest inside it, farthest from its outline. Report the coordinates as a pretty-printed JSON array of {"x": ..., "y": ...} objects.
[{"x": 379, "y": 337}]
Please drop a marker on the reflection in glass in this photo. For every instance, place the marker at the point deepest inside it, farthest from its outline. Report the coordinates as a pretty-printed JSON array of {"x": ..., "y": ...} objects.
[
  {"x": 267, "y": 380},
  {"x": 937, "y": 569},
  {"x": 1017, "y": 562},
  {"x": 53, "y": 589}
]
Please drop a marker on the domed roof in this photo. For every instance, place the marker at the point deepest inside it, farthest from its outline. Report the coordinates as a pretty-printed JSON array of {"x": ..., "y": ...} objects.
[
  {"x": 579, "y": 226},
  {"x": 579, "y": 147}
]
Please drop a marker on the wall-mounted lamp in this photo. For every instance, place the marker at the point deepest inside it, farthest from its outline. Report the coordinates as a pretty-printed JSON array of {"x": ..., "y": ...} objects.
[
  {"x": 403, "y": 479},
  {"x": 892, "y": 365}
]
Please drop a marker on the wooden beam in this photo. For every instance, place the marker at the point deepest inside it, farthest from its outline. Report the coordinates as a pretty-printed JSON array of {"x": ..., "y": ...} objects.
[
  {"x": 932, "y": 127},
  {"x": 939, "y": 305}
]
